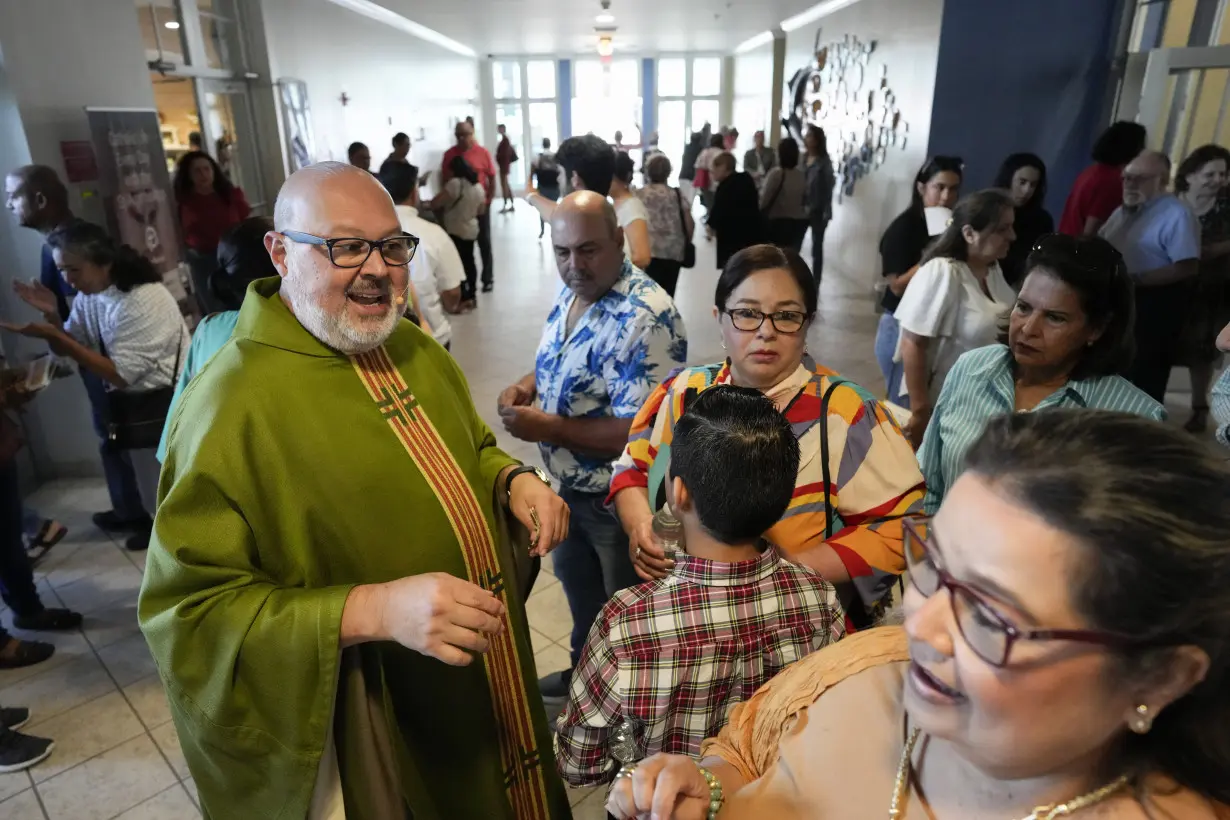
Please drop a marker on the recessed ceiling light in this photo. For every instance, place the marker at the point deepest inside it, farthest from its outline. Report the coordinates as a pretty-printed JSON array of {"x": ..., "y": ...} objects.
[
  {"x": 172, "y": 24},
  {"x": 605, "y": 18}
]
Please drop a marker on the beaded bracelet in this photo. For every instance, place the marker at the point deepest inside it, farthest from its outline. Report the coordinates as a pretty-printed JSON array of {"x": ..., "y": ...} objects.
[{"x": 716, "y": 798}]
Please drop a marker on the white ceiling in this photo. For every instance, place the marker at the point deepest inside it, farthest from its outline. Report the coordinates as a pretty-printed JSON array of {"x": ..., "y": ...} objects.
[{"x": 503, "y": 27}]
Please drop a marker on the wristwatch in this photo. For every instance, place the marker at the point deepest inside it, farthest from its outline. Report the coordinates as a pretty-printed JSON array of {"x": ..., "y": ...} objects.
[{"x": 523, "y": 469}]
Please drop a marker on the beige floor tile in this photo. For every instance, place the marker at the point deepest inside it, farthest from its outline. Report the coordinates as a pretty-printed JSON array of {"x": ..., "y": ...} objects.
[
  {"x": 85, "y": 732},
  {"x": 112, "y": 624},
  {"x": 190, "y": 787},
  {"x": 73, "y": 561},
  {"x": 11, "y": 784},
  {"x": 539, "y": 640},
  {"x": 109, "y": 784},
  {"x": 97, "y": 591},
  {"x": 577, "y": 796},
  {"x": 548, "y": 613},
  {"x": 168, "y": 741},
  {"x": 128, "y": 660},
  {"x": 592, "y": 807},
  {"x": 24, "y": 806},
  {"x": 59, "y": 688},
  {"x": 149, "y": 700},
  {"x": 172, "y": 804},
  {"x": 70, "y": 647},
  {"x": 555, "y": 658}
]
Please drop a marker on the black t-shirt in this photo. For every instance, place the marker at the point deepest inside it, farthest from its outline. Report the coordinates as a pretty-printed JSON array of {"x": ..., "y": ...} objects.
[
  {"x": 901, "y": 248},
  {"x": 1030, "y": 226}
]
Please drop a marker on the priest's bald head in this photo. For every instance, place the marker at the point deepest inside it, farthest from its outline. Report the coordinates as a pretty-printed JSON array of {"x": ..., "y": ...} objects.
[{"x": 343, "y": 289}]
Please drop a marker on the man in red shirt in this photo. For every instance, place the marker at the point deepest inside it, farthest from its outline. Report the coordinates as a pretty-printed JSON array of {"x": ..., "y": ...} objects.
[
  {"x": 1098, "y": 191},
  {"x": 480, "y": 160}
]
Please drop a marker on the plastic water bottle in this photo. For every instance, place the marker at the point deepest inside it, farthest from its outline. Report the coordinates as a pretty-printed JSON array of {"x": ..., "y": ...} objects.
[{"x": 668, "y": 530}]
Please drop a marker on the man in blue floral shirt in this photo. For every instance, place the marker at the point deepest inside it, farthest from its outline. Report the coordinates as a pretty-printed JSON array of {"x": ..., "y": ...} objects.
[{"x": 612, "y": 336}]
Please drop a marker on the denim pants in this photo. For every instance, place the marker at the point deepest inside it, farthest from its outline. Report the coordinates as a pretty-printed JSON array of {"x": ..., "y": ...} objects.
[
  {"x": 886, "y": 346},
  {"x": 17, "y": 588},
  {"x": 121, "y": 481},
  {"x": 592, "y": 563}
]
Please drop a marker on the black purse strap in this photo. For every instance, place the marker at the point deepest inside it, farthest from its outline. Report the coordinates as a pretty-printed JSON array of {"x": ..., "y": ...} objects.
[
  {"x": 824, "y": 457},
  {"x": 683, "y": 223},
  {"x": 781, "y": 184},
  {"x": 179, "y": 351}
]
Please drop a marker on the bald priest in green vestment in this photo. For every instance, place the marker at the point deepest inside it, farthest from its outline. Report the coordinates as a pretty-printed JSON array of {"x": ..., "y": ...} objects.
[{"x": 332, "y": 594}]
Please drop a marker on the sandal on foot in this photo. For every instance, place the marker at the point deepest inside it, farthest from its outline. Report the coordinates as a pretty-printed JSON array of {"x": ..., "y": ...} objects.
[
  {"x": 50, "y": 534},
  {"x": 18, "y": 653}
]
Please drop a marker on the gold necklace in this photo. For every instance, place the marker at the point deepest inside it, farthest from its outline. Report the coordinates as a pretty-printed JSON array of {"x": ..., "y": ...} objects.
[{"x": 896, "y": 809}]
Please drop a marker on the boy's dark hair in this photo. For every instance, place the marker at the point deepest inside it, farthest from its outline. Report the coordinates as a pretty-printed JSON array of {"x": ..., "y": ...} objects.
[
  {"x": 591, "y": 158},
  {"x": 739, "y": 459},
  {"x": 399, "y": 179}
]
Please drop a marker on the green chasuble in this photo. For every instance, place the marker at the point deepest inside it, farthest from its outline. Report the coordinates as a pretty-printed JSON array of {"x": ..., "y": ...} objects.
[{"x": 292, "y": 474}]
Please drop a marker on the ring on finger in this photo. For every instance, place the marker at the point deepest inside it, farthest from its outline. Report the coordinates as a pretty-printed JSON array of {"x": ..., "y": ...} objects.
[{"x": 638, "y": 553}]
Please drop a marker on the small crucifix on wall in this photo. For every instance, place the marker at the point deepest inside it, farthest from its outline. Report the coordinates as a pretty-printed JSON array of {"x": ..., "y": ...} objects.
[{"x": 345, "y": 98}]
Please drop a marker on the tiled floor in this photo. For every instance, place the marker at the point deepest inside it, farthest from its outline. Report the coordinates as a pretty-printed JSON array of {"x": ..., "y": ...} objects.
[{"x": 116, "y": 752}]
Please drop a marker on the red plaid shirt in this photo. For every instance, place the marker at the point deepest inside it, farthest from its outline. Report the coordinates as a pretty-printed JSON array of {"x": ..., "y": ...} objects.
[{"x": 676, "y": 655}]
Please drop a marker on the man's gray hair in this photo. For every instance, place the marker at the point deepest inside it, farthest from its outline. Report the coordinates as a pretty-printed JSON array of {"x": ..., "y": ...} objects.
[{"x": 284, "y": 214}]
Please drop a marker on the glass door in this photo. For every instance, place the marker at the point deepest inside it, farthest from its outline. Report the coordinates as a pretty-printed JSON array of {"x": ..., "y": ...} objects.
[
  {"x": 228, "y": 134},
  {"x": 1181, "y": 98}
]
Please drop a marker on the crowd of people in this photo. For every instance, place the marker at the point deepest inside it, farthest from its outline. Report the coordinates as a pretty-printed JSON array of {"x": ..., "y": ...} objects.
[{"x": 785, "y": 602}]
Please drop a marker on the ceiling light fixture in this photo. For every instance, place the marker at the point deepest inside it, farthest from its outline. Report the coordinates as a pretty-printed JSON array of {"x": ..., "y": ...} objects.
[
  {"x": 606, "y": 47},
  {"x": 752, "y": 43},
  {"x": 606, "y": 18},
  {"x": 391, "y": 18},
  {"x": 815, "y": 13},
  {"x": 172, "y": 24}
]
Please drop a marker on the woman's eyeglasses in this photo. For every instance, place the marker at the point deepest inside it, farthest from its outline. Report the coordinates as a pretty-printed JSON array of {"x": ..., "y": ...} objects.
[
  {"x": 353, "y": 252},
  {"x": 991, "y": 635},
  {"x": 784, "y": 321}
]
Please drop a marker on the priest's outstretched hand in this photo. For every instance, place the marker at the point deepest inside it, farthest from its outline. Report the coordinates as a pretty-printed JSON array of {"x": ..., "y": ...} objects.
[
  {"x": 540, "y": 510},
  {"x": 436, "y": 614}
]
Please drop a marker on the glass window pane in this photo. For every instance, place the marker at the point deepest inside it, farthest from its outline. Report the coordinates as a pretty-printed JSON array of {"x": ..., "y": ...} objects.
[
  {"x": 162, "y": 33},
  {"x": 220, "y": 33},
  {"x": 544, "y": 124},
  {"x": 590, "y": 79},
  {"x": 672, "y": 131},
  {"x": 179, "y": 120},
  {"x": 704, "y": 111},
  {"x": 506, "y": 80},
  {"x": 541, "y": 78},
  {"x": 509, "y": 115},
  {"x": 707, "y": 76},
  {"x": 672, "y": 77},
  {"x": 625, "y": 79}
]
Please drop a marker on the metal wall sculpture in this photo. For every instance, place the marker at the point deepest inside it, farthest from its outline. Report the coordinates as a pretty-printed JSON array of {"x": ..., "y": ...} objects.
[{"x": 859, "y": 115}]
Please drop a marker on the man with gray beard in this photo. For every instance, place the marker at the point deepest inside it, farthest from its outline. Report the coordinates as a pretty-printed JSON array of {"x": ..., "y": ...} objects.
[{"x": 332, "y": 594}]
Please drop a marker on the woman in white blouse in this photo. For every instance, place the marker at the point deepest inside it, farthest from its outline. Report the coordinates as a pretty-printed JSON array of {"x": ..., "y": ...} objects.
[
  {"x": 956, "y": 301},
  {"x": 124, "y": 326}
]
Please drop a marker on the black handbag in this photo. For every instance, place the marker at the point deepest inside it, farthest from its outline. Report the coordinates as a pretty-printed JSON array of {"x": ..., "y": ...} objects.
[
  {"x": 135, "y": 420},
  {"x": 689, "y": 247}
]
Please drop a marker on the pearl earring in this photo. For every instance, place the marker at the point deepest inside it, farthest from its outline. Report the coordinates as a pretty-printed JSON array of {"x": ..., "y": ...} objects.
[{"x": 1142, "y": 722}]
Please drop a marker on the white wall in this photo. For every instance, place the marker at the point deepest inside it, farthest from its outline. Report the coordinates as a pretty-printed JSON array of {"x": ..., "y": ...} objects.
[
  {"x": 907, "y": 33},
  {"x": 753, "y": 86},
  {"x": 394, "y": 82},
  {"x": 56, "y": 58}
]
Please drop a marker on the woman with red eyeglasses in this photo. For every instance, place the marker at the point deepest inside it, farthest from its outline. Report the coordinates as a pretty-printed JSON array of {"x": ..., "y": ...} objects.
[{"x": 1064, "y": 654}]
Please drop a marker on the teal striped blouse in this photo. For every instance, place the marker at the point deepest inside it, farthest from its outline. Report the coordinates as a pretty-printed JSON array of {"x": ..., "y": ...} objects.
[{"x": 979, "y": 387}]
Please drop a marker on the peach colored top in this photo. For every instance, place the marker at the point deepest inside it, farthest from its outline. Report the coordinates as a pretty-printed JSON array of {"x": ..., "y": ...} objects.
[{"x": 835, "y": 757}]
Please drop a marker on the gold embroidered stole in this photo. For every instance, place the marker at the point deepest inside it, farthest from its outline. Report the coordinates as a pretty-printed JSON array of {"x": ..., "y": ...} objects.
[{"x": 523, "y": 773}]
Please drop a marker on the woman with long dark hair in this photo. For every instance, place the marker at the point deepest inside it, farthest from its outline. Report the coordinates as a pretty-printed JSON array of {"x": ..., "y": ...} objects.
[
  {"x": 1024, "y": 177},
  {"x": 821, "y": 181},
  {"x": 209, "y": 206},
  {"x": 125, "y": 327},
  {"x": 956, "y": 301},
  {"x": 460, "y": 201},
  {"x": 936, "y": 185}
]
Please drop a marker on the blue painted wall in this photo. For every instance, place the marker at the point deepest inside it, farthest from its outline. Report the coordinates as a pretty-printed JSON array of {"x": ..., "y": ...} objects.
[
  {"x": 649, "y": 85},
  {"x": 1017, "y": 75}
]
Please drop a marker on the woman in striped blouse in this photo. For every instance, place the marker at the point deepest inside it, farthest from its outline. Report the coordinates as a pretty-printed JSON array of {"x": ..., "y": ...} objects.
[
  {"x": 1069, "y": 336},
  {"x": 857, "y": 476}
]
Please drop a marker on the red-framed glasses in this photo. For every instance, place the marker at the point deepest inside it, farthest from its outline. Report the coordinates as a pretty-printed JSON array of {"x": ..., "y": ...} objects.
[{"x": 991, "y": 635}]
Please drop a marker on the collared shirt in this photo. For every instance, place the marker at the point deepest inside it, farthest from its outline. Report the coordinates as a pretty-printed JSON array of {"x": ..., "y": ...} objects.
[
  {"x": 141, "y": 331},
  {"x": 1163, "y": 231},
  {"x": 619, "y": 350},
  {"x": 1219, "y": 401},
  {"x": 674, "y": 656},
  {"x": 980, "y": 387},
  {"x": 435, "y": 268}
]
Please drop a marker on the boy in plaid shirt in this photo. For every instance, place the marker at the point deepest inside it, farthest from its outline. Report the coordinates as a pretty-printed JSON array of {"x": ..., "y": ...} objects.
[{"x": 674, "y": 656}]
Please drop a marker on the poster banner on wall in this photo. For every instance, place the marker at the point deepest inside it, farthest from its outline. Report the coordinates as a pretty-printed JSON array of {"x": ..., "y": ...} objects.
[
  {"x": 136, "y": 187},
  {"x": 297, "y": 122}
]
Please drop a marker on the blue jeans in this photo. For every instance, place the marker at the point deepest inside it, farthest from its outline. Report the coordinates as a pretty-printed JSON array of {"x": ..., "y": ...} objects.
[
  {"x": 592, "y": 562},
  {"x": 121, "y": 481},
  {"x": 886, "y": 346}
]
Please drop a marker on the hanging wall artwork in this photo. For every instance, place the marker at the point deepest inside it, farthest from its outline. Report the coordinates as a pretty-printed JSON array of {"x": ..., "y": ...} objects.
[{"x": 840, "y": 92}]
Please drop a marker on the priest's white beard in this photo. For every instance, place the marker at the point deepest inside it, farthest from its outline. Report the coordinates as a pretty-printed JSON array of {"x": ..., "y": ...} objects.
[{"x": 337, "y": 330}]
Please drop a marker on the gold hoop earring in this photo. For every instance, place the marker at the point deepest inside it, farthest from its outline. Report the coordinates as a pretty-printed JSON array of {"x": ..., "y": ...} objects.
[{"x": 1142, "y": 722}]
